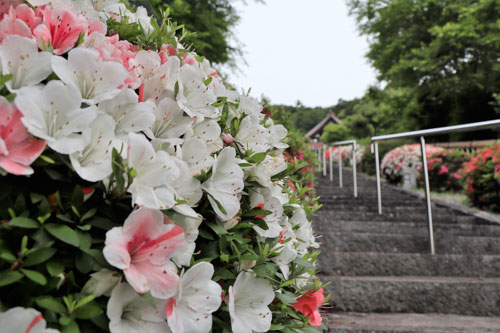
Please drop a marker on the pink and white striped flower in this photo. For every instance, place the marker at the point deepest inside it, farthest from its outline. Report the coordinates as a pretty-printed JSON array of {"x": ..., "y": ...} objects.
[{"x": 142, "y": 248}]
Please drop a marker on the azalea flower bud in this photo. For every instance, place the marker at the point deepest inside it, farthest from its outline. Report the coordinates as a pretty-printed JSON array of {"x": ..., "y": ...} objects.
[
  {"x": 227, "y": 138},
  {"x": 245, "y": 265}
]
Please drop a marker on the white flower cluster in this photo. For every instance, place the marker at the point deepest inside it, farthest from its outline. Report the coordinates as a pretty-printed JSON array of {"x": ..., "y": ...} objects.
[{"x": 162, "y": 112}]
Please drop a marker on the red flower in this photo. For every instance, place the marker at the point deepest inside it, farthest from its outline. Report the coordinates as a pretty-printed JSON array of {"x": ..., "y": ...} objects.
[{"x": 308, "y": 305}]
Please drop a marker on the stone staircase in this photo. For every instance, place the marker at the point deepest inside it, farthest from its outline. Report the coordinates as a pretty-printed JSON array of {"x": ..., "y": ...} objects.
[{"x": 383, "y": 278}]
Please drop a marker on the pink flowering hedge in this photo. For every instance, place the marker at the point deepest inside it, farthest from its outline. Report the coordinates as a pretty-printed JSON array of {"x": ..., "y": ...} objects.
[
  {"x": 139, "y": 192},
  {"x": 481, "y": 175},
  {"x": 443, "y": 168},
  {"x": 404, "y": 157}
]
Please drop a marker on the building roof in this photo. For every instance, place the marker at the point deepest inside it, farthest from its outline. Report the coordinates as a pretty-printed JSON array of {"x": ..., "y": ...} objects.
[{"x": 330, "y": 118}]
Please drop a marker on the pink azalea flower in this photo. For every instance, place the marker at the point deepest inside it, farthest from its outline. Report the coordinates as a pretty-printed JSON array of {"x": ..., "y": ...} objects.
[
  {"x": 18, "y": 149},
  {"x": 308, "y": 305},
  {"x": 443, "y": 170},
  {"x": 227, "y": 138},
  {"x": 142, "y": 248},
  {"x": 60, "y": 28},
  {"x": 19, "y": 21}
]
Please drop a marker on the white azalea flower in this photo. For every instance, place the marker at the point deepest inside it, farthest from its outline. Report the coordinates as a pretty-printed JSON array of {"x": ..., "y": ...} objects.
[
  {"x": 141, "y": 16},
  {"x": 97, "y": 80},
  {"x": 299, "y": 217},
  {"x": 252, "y": 135},
  {"x": 162, "y": 83},
  {"x": 225, "y": 184},
  {"x": 186, "y": 186},
  {"x": 129, "y": 115},
  {"x": 186, "y": 218},
  {"x": 155, "y": 171},
  {"x": 53, "y": 113},
  {"x": 169, "y": 122},
  {"x": 209, "y": 131},
  {"x": 277, "y": 191},
  {"x": 94, "y": 162},
  {"x": 195, "y": 153},
  {"x": 277, "y": 134},
  {"x": 21, "y": 320},
  {"x": 101, "y": 283},
  {"x": 198, "y": 296},
  {"x": 249, "y": 298},
  {"x": 193, "y": 96},
  {"x": 128, "y": 312},
  {"x": 262, "y": 172},
  {"x": 250, "y": 106},
  {"x": 263, "y": 196},
  {"x": 286, "y": 247},
  {"x": 20, "y": 57}
]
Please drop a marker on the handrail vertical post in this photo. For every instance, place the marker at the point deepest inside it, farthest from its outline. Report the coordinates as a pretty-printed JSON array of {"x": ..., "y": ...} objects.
[
  {"x": 427, "y": 194},
  {"x": 330, "y": 159},
  {"x": 340, "y": 168},
  {"x": 354, "y": 180},
  {"x": 377, "y": 171},
  {"x": 324, "y": 160}
]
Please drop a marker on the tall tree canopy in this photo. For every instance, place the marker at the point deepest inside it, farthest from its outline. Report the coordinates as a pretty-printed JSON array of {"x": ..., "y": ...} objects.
[
  {"x": 446, "y": 52},
  {"x": 210, "y": 23}
]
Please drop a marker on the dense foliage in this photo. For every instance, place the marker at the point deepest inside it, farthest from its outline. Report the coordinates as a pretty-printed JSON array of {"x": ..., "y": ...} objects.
[
  {"x": 139, "y": 192},
  {"x": 209, "y": 25},
  {"x": 482, "y": 178},
  {"x": 444, "y": 54},
  {"x": 443, "y": 170}
]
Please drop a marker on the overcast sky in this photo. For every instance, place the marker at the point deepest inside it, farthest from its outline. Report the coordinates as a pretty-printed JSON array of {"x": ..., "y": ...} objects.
[{"x": 301, "y": 50}]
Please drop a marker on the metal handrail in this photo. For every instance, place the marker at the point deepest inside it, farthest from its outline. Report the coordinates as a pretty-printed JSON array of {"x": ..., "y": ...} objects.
[
  {"x": 354, "y": 178},
  {"x": 421, "y": 133}
]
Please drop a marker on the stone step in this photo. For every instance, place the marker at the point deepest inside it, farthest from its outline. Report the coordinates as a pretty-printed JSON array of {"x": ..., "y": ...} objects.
[
  {"x": 409, "y": 322},
  {"x": 413, "y": 264},
  {"x": 327, "y": 216},
  {"x": 389, "y": 294},
  {"x": 398, "y": 243},
  {"x": 419, "y": 228}
]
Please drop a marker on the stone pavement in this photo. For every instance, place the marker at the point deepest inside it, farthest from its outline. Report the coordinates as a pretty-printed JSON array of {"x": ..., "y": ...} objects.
[{"x": 383, "y": 278}]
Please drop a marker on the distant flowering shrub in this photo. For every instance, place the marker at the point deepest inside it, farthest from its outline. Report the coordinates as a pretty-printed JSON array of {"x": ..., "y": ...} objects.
[
  {"x": 407, "y": 156},
  {"x": 443, "y": 168},
  {"x": 345, "y": 153},
  {"x": 482, "y": 178},
  {"x": 139, "y": 192}
]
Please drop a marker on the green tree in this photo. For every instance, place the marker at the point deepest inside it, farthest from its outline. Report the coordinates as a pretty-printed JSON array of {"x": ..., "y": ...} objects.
[
  {"x": 445, "y": 52},
  {"x": 335, "y": 132},
  {"x": 208, "y": 22}
]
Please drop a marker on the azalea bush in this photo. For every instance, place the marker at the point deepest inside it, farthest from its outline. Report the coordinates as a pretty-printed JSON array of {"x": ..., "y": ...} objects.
[
  {"x": 443, "y": 170},
  {"x": 404, "y": 157},
  {"x": 482, "y": 178},
  {"x": 367, "y": 160},
  {"x": 345, "y": 153},
  {"x": 297, "y": 153},
  {"x": 139, "y": 192}
]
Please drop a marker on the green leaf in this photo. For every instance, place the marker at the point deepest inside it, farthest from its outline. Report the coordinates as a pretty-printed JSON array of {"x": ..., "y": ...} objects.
[
  {"x": 34, "y": 276},
  {"x": 223, "y": 273},
  {"x": 47, "y": 159},
  {"x": 89, "y": 214},
  {"x": 219, "y": 230},
  {"x": 72, "y": 327},
  {"x": 24, "y": 222},
  {"x": 257, "y": 158},
  {"x": 63, "y": 233},
  {"x": 50, "y": 303},
  {"x": 39, "y": 256},
  {"x": 84, "y": 301},
  {"x": 7, "y": 277},
  {"x": 5, "y": 78},
  {"x": 7, "y": 256},
  {"x": 286, "y": 297},
  {"x": 88, "y": 311},
  {"x": 205, "y": 234},
  {"x": 84, "y": 262},
  {"x": 257, "y": 212},
  {"x": 54, "y": 268},
  {"x": 249, "y": 256},
  {"x": 222, "y": 209},
  {"x": 287, "y": 283}
]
